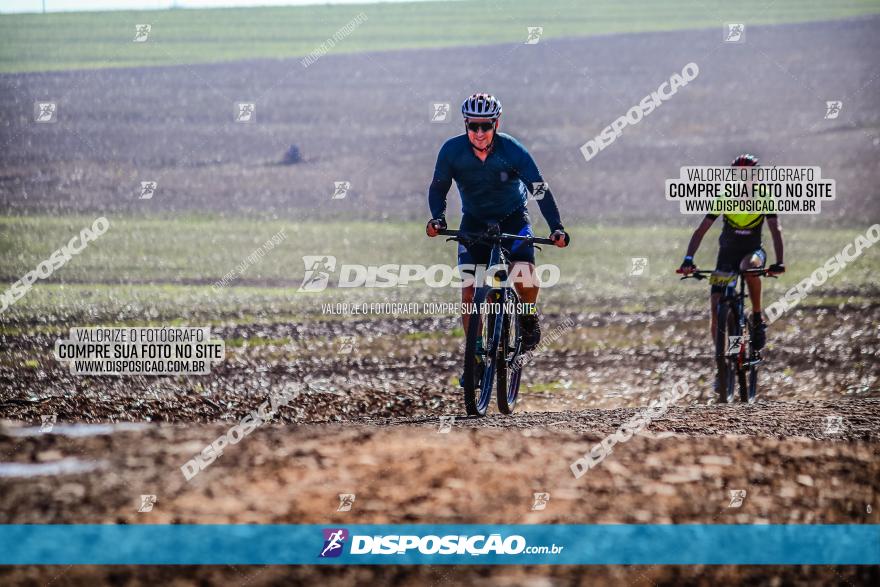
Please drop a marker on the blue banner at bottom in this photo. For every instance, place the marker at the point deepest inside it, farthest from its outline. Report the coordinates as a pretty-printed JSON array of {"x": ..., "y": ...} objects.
[{"x": 414, "y": 544}]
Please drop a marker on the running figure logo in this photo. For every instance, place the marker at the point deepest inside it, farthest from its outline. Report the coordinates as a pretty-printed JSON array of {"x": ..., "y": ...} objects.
[
  {"x": 346, "y": 500},
  {"x": 148, "y": 188},
  {"x": 446, "y": 423},
  {"x": 833, "y": 424},
  {"x": 142, "y": 33},
  {"x": 540, "y": 502},
  {"x": 734, "y": 344},
  {"x": 147, "y": 503},
  {"x": 340, "y": 189},
  {"x": 535, "y": 33},
  {"x": 737, "y": 496},
  {"x": 47, "y": 422},
  {"x": 318, "y": 269},
  {"x": 735, "y": 33},
  {"x": 334, "y": 539},
  {"x": 539, "y": 190},
  {"x": 245, "y": 112},
  {"x": 832, "y": 109},
  {"x": 440, "y": 112},
  {"x": 638, "y": 266},
  {"x": 45, "y": 112}
]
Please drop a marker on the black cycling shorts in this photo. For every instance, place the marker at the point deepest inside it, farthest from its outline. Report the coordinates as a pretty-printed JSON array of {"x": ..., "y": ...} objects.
[
  {"x": 729, "y": 259},
  {"x": 478, "y": 253}
]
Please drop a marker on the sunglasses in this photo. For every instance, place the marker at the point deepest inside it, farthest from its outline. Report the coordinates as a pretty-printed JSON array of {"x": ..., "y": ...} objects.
[{"x": 483, "y": 126}]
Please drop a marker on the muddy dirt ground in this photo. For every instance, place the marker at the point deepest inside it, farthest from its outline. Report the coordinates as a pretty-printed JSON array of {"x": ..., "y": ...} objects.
[
  {"x": 409, "y": 368},
  {"x": 805, "y": 453}
]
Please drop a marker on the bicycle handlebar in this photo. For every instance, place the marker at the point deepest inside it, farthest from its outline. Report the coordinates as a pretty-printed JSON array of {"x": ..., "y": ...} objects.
[
  {"x": 485, "y": 236},
  {"x": 702, "y": 273}
]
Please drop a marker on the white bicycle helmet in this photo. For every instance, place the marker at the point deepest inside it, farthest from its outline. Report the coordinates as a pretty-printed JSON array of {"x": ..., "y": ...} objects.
[{"x": 481, "y": 106}]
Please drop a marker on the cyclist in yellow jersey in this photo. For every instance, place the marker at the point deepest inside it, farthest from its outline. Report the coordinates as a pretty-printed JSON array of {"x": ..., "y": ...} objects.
[{"x": 740, "y": 247}]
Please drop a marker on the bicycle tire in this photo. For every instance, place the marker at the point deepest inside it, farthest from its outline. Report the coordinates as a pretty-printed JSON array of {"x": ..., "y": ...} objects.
[
  {"x": 748, "y": 378},
  {"x": 509, "y": 368},
  {"x": 726, "y": 325},
  {"x": 478, "y": 387}
]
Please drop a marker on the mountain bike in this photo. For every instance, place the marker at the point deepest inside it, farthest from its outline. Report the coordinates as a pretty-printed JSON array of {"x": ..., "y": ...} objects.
[
  {"x": 737, "y": 360},
  {"x": 494, "y": 319}
]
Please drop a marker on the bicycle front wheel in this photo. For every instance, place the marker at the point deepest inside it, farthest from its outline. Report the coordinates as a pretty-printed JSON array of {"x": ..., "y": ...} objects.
[
  {"x": 726, "y": 326},
  {"x": 480, "y": 363},
  {"x": 509, "y": 359},
  {"x": 748, "y": 376}
]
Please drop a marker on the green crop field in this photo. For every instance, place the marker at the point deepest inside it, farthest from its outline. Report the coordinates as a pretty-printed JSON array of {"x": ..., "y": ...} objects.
[
  {"x": 145, "y": 270},
  {"x": 60, "y": 41}
]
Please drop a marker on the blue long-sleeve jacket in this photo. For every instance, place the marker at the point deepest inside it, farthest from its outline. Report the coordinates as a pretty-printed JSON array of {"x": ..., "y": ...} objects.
[{"x": 492, "y": 189}]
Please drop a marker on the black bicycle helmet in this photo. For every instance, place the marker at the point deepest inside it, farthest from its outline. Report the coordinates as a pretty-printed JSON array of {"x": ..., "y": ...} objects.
[{"x": 745, "y": 160}]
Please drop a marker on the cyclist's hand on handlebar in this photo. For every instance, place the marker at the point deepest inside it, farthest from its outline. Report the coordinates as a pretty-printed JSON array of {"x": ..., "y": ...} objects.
[
  {"x": 435, "y": 225},
  {"x": 687, "y": 267},
  {"x": 560, "y": 238},
  {"x": 776, "y": 269}
]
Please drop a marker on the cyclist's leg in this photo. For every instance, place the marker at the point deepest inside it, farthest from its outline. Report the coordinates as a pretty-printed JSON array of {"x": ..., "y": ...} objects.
[
  {"x": 754, "y": 260},
  {"x": 469, "y": 258},
  {"x": 522, "y": 273},
  {"x": 727, "y": 259}
]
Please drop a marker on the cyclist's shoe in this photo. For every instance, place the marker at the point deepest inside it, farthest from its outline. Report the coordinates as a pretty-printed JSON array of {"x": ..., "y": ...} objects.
[
  {"x": 759, "y": 332},
  {"x": 531, "y": 331}
]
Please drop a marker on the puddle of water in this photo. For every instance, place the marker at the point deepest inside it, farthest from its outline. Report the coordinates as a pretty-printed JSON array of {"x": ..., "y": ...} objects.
[
  {"x": 76, "y": 430},
  {"x": 69, "y": 466}
]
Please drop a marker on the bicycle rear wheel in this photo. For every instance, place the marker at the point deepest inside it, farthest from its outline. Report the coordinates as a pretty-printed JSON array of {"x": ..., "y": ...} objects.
[
  {"x": 480, "y": 365},
  {"x": 509, "y": 366},
  {"x": 727, "y": 325},
  {"x": 748, "y": 376}
]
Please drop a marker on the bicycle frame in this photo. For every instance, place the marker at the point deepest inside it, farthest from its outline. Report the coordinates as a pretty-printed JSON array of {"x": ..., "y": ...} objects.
[
  {"x": 740, "y": 360},
  {"x": 500, "y": 322}
]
